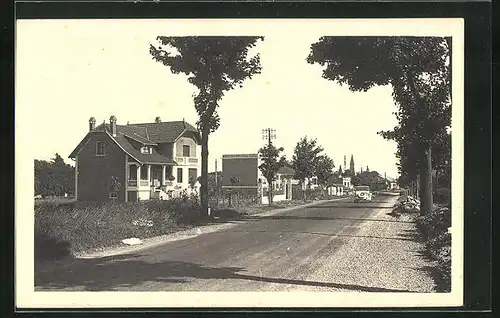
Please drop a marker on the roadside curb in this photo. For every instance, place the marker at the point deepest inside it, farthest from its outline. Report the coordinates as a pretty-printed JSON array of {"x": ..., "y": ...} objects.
[{"x": 151, "y": 242}]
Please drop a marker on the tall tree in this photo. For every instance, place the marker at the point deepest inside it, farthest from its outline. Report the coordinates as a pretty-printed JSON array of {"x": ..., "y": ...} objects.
[
  {"x": 54, "y": 177},
  {"x": 419, "y": 71},
  {"x": 272, "y": 161},
  {"x": 304, "y": 160},
  {"x": 214, "y": 65},
  {"x": 324, "y": 169}
]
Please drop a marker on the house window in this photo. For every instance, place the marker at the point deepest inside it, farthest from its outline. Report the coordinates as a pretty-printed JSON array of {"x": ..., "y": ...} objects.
[
  {"x": 179, "y": 175},
  {"x": 145, "y": 149},
  {"x": 185, "y": 151},
  {"x": 99, "y": 148},
  {"x": 193, "y": 174}
]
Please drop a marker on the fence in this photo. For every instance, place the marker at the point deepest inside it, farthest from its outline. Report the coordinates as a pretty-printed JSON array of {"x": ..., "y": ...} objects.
[
  {"x": 298, "y": 193},
  {"x": 233, "y": 200}
]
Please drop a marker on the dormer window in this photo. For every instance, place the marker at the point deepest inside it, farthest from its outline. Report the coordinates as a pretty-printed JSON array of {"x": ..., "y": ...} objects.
[{"x": 146, "y": 149}]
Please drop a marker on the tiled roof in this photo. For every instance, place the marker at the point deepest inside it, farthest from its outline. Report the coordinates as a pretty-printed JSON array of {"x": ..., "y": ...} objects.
[
  {"x": 167, "y": 131},
  {"x": 155, "y": 157},
  {"x": 160, "y": 132}
]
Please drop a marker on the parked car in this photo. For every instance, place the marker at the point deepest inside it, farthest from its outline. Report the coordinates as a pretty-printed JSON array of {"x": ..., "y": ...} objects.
[{"x": 363, "y": 193}]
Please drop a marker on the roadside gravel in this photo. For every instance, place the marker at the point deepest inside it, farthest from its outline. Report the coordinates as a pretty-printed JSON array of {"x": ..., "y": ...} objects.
[{"x": 383, "y": 253}]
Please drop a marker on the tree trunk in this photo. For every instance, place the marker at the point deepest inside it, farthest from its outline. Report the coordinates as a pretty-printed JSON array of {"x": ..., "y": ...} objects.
[
  {"x": 270, "y": 194},
  {"x": 426, "y": 198},
  {"x": 305, "y": 190},
  {"x": 204, "y": 173}
]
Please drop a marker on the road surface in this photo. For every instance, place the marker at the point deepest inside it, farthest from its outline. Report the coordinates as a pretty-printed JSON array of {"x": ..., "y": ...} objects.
[{"x": 274, "y": 253}]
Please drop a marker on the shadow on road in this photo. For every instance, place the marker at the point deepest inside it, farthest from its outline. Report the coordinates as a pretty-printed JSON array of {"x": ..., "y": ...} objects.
[
  {"x": 365, "y": 205},
  {"x": 411, "y": 235},
  {"x": 323, "y": 234},
  {"x": 129, "y": 270},
  {"x": 316, "y": 218}
]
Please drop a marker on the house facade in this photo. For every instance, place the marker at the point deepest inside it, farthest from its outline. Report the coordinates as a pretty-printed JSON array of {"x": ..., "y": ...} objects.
[{"x": 136, "y": 162}]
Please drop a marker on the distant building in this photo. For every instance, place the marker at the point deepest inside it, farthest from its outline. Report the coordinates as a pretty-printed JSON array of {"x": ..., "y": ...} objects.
[
  {"x": 346, "y": 182},
  {"x": 335, "y": 189},
  {"x": 241, "y": 174},
  {"x": 391, "y": 183}
]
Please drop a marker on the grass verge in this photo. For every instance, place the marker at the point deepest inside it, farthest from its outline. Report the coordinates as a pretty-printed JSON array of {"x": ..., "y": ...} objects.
[{"x": 63, "y": 230}]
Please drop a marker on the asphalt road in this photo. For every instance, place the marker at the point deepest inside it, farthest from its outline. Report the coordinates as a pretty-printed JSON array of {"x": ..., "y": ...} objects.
[{"x": 273, "y": 253}]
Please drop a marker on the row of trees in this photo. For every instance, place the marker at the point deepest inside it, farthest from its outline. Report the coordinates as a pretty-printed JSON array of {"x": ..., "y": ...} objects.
[
  {"x": 417, "y": 68},
  {"x": 307, "y": 161},
  {"x": 419, "y": 71},
  {"x": 54, "y": 177}
]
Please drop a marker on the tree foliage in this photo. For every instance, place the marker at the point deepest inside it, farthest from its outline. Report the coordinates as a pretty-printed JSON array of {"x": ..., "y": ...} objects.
[
  {"x": 419, "y": 71},
  {"x": 369, "y": 178},
  {"x": 214, "y": 185},
  {"x": 214, "y": 65},
  {"x": 305, "y": 159},
  {"x": 272, "y": 162},
  {"x": 54, "y": 177},
  {"x": 324, "y": 169}
]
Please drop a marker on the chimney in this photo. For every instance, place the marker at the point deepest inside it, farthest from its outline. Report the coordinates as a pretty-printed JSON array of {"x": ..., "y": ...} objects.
[
  {"x": 112, "y": 124},
  {"x": 91, "y": 123},
  {"x": 157, "y": 120}
]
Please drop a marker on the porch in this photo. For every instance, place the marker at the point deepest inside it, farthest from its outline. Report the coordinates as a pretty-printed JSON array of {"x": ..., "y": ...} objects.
[{"x": 148, "y": 181}]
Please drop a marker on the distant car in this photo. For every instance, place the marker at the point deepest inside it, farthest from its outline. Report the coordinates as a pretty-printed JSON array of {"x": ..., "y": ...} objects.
[{"x": 362, "y": 193}]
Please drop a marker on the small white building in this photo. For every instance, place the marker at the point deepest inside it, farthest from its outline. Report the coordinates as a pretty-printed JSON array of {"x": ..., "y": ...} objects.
[
  {"x": 346, "y": 182},
  {"x": 335, "y": 190}
]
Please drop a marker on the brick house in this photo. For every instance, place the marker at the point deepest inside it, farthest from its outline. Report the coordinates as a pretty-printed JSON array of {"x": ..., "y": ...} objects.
[{"x": 135, "y": 162}]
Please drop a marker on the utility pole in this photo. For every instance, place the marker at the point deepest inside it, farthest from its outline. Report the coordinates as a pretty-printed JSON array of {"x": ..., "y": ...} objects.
[
  {"x": 268, "y": 134},
  {"x": 216, "y": 186}
]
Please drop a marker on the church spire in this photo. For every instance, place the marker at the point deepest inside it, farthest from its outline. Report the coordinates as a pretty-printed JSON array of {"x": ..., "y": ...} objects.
[
  {"x": 345, "y": 163},
  {"x": 351, "y": 164}
]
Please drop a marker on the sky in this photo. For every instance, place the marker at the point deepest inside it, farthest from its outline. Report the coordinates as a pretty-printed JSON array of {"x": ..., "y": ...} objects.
[{"x": 70, "y": 70}]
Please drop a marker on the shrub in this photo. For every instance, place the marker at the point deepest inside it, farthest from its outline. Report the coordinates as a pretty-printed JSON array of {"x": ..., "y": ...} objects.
[
  {"x": 433, "y": 228},
  {"x": 443, "y": 196},
  {"x": 434, "y": 223},
  {"x": 184, "y": 210},
  {"x": 436, "y": 243},
  {"x": 50, "y": 248}
]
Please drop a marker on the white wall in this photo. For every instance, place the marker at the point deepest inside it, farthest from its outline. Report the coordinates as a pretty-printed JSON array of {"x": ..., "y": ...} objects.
[
  {"x": 276, "y": 198},
  {"x": 144, "y": 194},
  {"x": 186, "y": 141}
]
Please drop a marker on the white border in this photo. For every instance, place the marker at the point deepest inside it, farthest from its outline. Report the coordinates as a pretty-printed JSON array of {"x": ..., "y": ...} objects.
[{"x": 24, "y": 291}]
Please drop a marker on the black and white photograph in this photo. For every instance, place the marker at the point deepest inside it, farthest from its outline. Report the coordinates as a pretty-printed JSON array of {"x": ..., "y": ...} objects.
[{"x": 239, "y": 162}]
